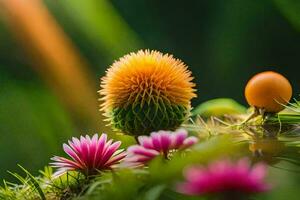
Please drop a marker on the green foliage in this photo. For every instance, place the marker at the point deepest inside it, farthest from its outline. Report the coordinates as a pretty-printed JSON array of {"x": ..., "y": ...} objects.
[
  {"x": 29, "y": 188},
  {"x": 67, "y": 186},
  {"x": 290, "y": 10},
  {"x": 33, "y": 120},
  {"x": 142, "y": 120},
  {"x": 100, "y": 23},
  {"x": 131, "y": 185},
  {"x": 46, "y": 186},
  {"x": 288, "y": 118},
  {"x": 109, "y": 186},
  {"x": 158, "y": 180},
  {"x": 284, "y": 119},
  {"x": 34, "y": 183},
  {"x": 155, "y": 182}
]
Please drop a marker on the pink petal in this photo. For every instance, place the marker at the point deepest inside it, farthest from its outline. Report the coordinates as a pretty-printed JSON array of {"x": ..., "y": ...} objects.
[
  {"x": 258, "y": 172},
  {"x": 224, "y": 176},
  {"x": 165, "y": 142},
  {"x": 100, "y": 149},
  {"x": 178, "y": 138},
  {"x": 156, "y": 141},
  {"x": 84, "y": 150},
  {"x": 188, "y": 142},
  {"x": 113, "y": 160},
  {"x": 60, "y": 161},
  {"x": 109, "y": 152},
  {"x": 193, "y": 173},
  {"x": 92, "y": 150},
  {"x": 189, "y": 189},
  {"x": 146, "y": 142},
  {"x": 76, "y": 145},
  {"x": 139, "y": 158},
  {"x": 88, "y": 139},
  {"x": 142, "y": 151},
  {"x": 243, "y": 166},
  {"x": 72, "y": 154},
  {"x": 89, "y": 153}
]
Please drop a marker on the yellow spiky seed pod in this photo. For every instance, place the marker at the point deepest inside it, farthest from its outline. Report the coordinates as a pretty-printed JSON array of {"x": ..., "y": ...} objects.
[{"x": 147, "y": 91}]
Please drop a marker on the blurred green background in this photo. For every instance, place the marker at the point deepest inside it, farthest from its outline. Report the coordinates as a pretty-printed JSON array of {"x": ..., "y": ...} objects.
[{"x": 53, "y": 53}]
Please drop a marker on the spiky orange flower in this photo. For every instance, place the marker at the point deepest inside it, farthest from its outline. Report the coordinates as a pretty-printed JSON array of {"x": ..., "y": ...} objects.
[{"x": 147, "y": 91}]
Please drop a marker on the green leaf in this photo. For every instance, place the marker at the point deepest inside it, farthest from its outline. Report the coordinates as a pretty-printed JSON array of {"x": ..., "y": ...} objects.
[
  {"x": 290, "y": 9},
  {"x": 35, "y": 183},
  {"x": 219, "y": 107}
]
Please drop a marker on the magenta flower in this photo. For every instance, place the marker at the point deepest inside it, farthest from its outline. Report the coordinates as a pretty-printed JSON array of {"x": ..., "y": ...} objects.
[
  {"x": 225, "y": 177},
  {"x": 89, "y": 155},
  {"x": 158, "y": 143}
]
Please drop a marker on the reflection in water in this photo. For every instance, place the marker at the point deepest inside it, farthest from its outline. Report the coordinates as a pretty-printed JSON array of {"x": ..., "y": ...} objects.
[
  {"x": 276, "y": 150},
  {"x": 273, "y": 143},
  {"x": 266, "y": 147}
]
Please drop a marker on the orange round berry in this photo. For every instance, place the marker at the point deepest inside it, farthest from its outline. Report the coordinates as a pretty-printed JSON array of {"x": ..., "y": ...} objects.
[{"x": 269, "y": 91}]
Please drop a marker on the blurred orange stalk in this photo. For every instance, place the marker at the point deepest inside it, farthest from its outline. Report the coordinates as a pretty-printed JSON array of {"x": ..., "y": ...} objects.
[{"x": 54, "y": 57}]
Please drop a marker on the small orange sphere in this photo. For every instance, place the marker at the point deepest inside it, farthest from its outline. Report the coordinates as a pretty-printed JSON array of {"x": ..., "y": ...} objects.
[{"x": 268, "y": 90}]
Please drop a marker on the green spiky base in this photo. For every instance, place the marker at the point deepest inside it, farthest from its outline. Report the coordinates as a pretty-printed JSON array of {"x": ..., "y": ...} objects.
[{"x": 142, "y": 120}]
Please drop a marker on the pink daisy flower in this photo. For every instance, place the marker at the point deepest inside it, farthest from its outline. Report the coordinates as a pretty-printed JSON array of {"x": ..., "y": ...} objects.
[
  {"x": 158, "y": 143},
  {"x": 89, "y": 155},
  {"x": 225, "y": 177}
]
